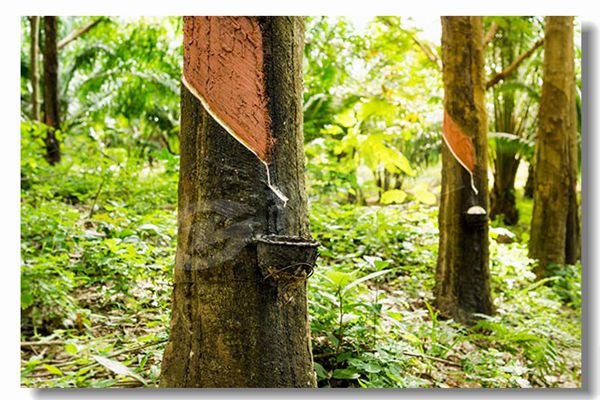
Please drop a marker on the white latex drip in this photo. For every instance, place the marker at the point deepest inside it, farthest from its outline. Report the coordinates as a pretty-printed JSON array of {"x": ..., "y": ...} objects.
[
  {"x": 206, "y": 106},
  {"x": 274, "y": 188}
]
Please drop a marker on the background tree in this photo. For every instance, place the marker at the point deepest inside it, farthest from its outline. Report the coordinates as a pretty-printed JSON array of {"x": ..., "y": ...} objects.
[
  {"x": 34, "y": 62},
  {"x": 229, "y": 327},
  {"x": 555, "y": 229},
  {"x": 51, "y": 94},
  {"x": 515, "y": 98},
  {"x": 462, "y": 277}
]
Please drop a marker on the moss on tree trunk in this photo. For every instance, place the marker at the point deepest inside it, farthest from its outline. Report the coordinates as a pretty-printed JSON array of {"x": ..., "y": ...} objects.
[
  {"x": 462, "y": 276},
  {"x": 229, "y": 327},
  {"x": 555, "y": 230}
]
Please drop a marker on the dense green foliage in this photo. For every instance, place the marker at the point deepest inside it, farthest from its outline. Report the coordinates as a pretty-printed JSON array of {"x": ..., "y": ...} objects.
[{"x": 98, "y": 230}]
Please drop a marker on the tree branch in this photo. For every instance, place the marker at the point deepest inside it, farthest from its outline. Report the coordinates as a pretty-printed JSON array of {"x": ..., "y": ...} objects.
[
  {"x": 489, "y": 36},
  {"x": 76, "y": 34},
  {"x": 515, "y": 64},
  {"x": 429, "y": 53}
]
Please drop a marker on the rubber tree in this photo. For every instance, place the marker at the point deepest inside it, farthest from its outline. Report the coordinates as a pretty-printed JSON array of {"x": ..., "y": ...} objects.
[
  {"x": 462, "y": 284},
  {"x": 555, "y": 229},
  {"x": 51, "y": 99},
  {"x": 514, "y": 111},
  {"x": 231, "y": 326},
  {"x": 34, "y": 57}
]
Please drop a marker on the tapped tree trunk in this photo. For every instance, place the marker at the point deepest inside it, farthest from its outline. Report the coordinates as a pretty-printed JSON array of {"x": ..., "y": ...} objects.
[
  {"x": 555, "y": 230},
  {"x": 34, "y": 56},
  {"x": 51, "y": 103},
  {"x": 462, "y": 276},
  {"x": 230, "y": 326}
]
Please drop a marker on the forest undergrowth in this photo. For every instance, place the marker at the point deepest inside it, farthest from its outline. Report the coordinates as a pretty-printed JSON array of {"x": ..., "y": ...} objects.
[{"x": 98, "y": 239}]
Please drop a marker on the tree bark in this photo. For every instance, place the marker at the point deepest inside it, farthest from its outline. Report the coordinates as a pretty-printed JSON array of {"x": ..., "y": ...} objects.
[
  {"x": 462, "y": 276},
  {"x": 502, "y": 197},
  {"x": 51, "y": 102},
  {"x": 230, "y": 327},
  {"x": 528, "y": 190},
  {"x": 555, "y": 230},
  {"x": 34, "y": 57}
]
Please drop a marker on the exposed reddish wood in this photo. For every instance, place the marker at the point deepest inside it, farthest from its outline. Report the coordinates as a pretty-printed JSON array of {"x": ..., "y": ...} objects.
[
  {"x": 460, "y": 144},
  {"x": 223, "y": 66}
]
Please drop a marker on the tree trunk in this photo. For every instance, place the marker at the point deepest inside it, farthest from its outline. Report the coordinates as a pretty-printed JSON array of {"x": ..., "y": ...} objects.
[
  {"x": 506, "y": 160},
  {"x": 230, "y": 326},
  {"x": 34, "y": 56},
  {"x": 528, "y": 190},
  {"x": 555, "y": 232},
  {"x": 51, "y": 103},
  {"x": 502, "y": 198},
  {"x": 462, "y": 276}
]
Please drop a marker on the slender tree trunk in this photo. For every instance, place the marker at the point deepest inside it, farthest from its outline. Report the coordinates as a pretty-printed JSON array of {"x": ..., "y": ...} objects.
[
  {"x": 528, "y": 190},
  {"x": 555, "y": 231},
  {"x": 34, "y": 56},
  {"x": 462, "y": 276},
  {"x": 502, "y": 197},
  {"x": 230, "y": 327},
  {"x": 51, "y": 102}
]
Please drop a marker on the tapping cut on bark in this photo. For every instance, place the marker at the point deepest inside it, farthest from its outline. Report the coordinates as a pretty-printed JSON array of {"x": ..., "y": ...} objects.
[
  {"x": 223, "y": 67},
  {"x": 460, "y": 145},
  {"x": 462, "y": 279},
  {"x": 239, "y": 309}
]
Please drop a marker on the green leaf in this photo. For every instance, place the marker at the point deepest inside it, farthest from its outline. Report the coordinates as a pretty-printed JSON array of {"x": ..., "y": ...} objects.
[
  {"x": 346, "y": 118},
  {"x": 366, "y": 278},
  {"x": 338, "y": 278},
  {"x": 149, "y": 227},
  {"x": 345, "y": 374},
  {"x": 52, "y": 369},
  {"x": 373, "y": 367},
  {"x": 26, "y": 299},
  {"x": 423, "y": 195},
  {"x": 118, "y": 368},
  {"x": 71, "y": 348},
  {"x": 321, "y": 372},
  {"x": 147, "y": 338},
  {"x": 395, "y": 196}
]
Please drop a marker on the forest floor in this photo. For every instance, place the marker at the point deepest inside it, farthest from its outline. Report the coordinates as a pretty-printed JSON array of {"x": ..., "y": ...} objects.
[{"x": 98, "y": 245}]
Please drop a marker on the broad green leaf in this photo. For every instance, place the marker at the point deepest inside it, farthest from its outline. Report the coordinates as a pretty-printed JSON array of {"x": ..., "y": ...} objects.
[
  {"x": 376, "y": 107},
  {"x": 423, "y": 195},
  {"x": 26, "y": 299},
  {"x": 149, "y": 227},
  {"x": 339, "y": 278},
  {"x": 372, "y": 367},
  {"x": 52, "y": 369},
  {"x": 394, "y": 196},
  {"x": 346, "y": 118},
  {"x": 118, "y": 368},
  {"x": 71, "y": 348},
  {"x": 345, "y": 374},
  {"x": 366, "y": 278},
  {"x": 321, "y": 372}
]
